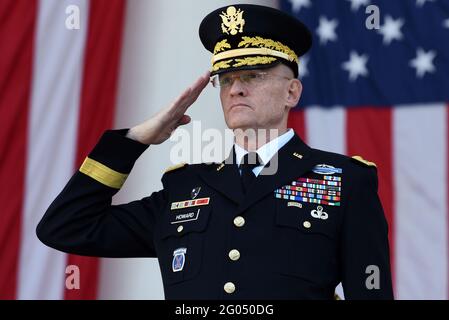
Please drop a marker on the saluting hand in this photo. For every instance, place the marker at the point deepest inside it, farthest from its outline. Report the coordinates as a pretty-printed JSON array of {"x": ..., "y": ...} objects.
[{"x": 159, "y": 128}]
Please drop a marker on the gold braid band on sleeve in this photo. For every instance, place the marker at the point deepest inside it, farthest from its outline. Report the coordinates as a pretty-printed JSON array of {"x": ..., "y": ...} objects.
[{"x": 103, "y": 174}]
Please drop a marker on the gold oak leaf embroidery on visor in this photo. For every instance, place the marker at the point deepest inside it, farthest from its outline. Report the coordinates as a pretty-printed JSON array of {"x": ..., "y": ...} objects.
[
  {"x": 269, "y": 44},
  {"x": 252, "y": 61},
  {"x": 222, "y": 65},
  {"x": 220, "y": 46},
  {"x": 248, "y": 61}
]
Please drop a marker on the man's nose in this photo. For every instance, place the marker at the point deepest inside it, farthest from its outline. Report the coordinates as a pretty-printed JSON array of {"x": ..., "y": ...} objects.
[{"x": 237, "y": 87}]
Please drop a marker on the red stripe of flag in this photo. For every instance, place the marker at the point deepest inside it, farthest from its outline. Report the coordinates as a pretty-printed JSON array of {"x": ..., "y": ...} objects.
[
  {"x": 98, "y": 97},
  {"x": 369, "y": 134},
  {"x": 296, "y": 121},
  {"x": 17, "y": 28}
]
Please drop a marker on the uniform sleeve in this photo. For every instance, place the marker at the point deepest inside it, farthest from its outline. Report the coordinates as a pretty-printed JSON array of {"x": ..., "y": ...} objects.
[
  {"x": 364, "y": 249},
  {"x": 81, "y": 220}
]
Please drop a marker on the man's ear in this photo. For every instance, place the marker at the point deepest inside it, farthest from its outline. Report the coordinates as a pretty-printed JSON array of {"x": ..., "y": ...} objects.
[{"x": 294, "y": 93}]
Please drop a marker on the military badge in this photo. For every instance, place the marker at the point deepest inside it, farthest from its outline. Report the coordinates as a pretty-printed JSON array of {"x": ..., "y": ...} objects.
[
  {"x": 179, "y": 259},
  {"x": 326, "y": 169},
  {"x": 297, "y": 155},
  {"x": 232, "y": 21},
  {"x": 319, "y": 213},
  {"x": 195, "y": 192}
]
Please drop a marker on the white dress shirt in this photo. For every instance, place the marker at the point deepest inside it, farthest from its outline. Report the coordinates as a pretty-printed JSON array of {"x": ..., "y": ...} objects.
[{"x": 265, "y": 152}]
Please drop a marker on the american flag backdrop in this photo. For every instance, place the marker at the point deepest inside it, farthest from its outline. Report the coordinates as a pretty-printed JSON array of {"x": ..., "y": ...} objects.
[
  {"x": 57, "y": 96},
  {"x": 379, "y": 93},
  {"x": 383, "y": 93}
]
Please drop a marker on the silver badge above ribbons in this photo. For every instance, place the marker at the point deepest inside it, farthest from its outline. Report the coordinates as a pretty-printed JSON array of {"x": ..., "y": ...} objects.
[{"x": 326, "y": 169}]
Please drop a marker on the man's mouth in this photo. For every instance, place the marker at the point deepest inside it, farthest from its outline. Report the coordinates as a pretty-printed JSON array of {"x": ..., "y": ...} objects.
[{"x": 239, "y": 105}]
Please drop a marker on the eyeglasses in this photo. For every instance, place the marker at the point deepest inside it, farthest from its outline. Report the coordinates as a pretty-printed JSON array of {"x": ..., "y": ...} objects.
[{"x": 249, "y": 79}]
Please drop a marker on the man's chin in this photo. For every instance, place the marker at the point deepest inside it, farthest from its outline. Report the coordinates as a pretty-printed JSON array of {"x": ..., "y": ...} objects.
[
  {"x": 237, "y": 123},
  {"x": 242, "y": 126}
]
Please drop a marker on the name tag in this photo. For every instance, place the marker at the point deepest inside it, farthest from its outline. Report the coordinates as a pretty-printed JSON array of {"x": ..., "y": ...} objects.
[{"x": 185, "y": 217}]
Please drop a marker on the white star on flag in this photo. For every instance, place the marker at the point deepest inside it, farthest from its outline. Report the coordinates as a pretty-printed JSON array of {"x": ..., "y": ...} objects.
[
  {"x": 356, "y": 4},
  {"x": 303, "y": 71},
  {"x": 446, "y": 23},
  {"x": 391, "y": 29},
  {"x": 326, "y": 30},
  {"x": 423, "y": 62},
  {"x": 298, "y": 4},
  {"x": 420, "y": 3},
  {"x": 356, "y": 65}
]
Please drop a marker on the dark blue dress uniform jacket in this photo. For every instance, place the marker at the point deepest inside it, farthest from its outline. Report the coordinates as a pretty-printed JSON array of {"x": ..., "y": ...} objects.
[{"x": 283, "y": 251}]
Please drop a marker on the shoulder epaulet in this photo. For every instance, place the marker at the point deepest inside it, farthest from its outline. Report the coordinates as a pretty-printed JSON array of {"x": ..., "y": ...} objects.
[
  {"x": 368, "y": 163},
  {"x": 175, "y": 167}
]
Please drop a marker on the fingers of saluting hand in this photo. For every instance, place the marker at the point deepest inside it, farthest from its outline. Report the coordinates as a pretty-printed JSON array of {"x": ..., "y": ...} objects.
[
  {"x": 199, "y": 85},
  {"x": 189, "y": 96}
]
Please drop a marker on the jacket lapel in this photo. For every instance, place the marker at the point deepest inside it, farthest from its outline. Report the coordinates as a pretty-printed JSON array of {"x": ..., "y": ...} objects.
[{"x": 225, "y": 178}]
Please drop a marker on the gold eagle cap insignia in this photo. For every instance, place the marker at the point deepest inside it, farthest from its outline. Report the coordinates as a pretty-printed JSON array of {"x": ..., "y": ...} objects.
[{"x": 232, "y": 21}]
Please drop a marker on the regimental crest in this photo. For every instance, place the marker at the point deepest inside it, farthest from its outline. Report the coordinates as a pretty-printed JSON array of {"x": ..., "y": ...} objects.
[
  {"x": 232, "y": 21},
  {"x": 195, "y": 192},
  {"x": 179, "y": 258}
]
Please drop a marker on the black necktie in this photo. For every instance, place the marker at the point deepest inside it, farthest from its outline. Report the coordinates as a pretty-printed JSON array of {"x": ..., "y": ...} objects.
[{"x": 249, "y": 162}]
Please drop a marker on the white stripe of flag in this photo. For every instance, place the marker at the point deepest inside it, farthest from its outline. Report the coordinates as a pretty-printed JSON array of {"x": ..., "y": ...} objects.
[{"x": 57, "y": 75}]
